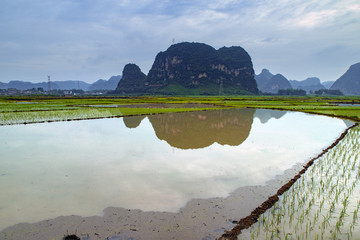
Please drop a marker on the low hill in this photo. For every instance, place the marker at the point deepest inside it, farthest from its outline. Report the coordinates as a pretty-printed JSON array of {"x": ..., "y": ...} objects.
[
  {"x": 311, "y": 84},
  {"x": 109, "y": 84},
  {"x": 21, "y": 85},
  {"x": 133, "y": 80},
  {"x": 269, "y": 83},
  {"x": 70, "y": 84},
  {"x": 328, "y": 84},
  {"x": 55, "y": 85}
]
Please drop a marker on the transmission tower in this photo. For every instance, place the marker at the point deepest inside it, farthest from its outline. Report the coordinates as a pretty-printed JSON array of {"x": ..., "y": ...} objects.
[
  {"x": 221, "y": 88},
  {"x": 49, "y": 84}
]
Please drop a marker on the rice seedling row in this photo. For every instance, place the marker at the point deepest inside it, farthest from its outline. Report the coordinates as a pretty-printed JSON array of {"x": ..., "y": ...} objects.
[{"x": 323, "y": 204}]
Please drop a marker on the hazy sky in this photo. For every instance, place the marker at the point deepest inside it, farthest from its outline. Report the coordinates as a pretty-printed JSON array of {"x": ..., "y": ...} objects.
[{"x": 92, "y": 39}]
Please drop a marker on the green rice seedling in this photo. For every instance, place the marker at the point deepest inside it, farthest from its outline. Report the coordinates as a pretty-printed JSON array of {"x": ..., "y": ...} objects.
[
  {"x": 252, "y": 235},
  {"x": 333, "y": 234},
  {"x": 296, "y": 226},
  {"x": 339, "y": 189},
  {"x": 288, "y": 236},
  {"x": 345, "y": 202},
  {"x": 322, "y": 203},
  {"x": 353, "y": 185},
  {"x": 316, "y": 236},
  {"x": 278, "y": 218},
  {"x": 352, "y": 226},
  {"x": 332, "y": 189},
  {"x": 326, "y": 221},
  {"x": 342, "y": 215},
  {"x": 291, "y": 217},
  {"x": 266, "y": 225},
  {"x": 355, "y": 216},
  {"x": 337, "y": 194}
]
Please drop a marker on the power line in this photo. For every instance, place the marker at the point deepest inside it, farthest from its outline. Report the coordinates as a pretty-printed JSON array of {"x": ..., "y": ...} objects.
[
  {"x": 221, "y": 88},
  {"x": 49, "y": 84}
]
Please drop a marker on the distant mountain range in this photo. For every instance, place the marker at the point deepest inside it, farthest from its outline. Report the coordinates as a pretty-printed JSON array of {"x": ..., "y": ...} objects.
[
  {"x": 65, "y": 85},
  {"x": 270, "y": 83},
  {"x": 170, "y": 74},
  {"x": 348, "y": 83}
]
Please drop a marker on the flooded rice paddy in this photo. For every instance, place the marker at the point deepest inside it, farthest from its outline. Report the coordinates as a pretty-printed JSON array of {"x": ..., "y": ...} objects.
[
  {"x": 182, "y": 175},
  {"x": 323, "y": 204}
]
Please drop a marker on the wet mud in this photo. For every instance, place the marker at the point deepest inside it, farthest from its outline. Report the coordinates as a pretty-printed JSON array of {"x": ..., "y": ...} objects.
[{"x": 199, "y": 219}]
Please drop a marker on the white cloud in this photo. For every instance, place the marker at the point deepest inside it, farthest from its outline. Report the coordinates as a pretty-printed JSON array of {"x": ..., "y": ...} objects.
[
  {"x": 221, "y": 4},
  {"x": 314, "y": 19},
  {"x": 354, "y": 7},
  {"x": 102, "y": 36},
  {"x": 202, "y": 19},
  {"x": 328, "y": 16}
]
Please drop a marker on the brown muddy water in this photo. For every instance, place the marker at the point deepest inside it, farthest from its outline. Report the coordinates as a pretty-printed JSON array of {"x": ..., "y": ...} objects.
[{"x": 177, "y": 175}]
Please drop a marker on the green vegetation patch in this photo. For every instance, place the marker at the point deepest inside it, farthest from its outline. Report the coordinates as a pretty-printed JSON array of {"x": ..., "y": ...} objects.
[
  {"x": 35, "y": 110},
  {"x": 16, "y": 110}
]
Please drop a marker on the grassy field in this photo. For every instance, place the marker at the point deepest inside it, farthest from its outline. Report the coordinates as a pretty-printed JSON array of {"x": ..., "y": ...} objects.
[{"x": 32, "y": 109}]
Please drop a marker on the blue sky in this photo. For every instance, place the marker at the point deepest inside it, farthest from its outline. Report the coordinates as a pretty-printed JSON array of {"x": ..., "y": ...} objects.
[{"x": 92, "y": 39}]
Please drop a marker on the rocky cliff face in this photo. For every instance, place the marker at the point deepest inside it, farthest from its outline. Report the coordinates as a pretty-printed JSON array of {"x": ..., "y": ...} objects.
[
  {"x": 200, "y": 69},
  {"x": 133, "y": 80},
  {"x": 110, "y": 84},
  {"x": 349, "y": 83}
]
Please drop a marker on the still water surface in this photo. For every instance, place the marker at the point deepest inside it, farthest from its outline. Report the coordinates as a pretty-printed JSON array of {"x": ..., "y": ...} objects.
[{"x": 154, "y": 163}]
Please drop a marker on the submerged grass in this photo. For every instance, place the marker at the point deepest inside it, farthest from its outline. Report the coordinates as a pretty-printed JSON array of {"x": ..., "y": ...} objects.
[
  {"x": 17, "y": 110},
  {"x": 35, "y": 110},
  {"x": 26, "y": 117}
]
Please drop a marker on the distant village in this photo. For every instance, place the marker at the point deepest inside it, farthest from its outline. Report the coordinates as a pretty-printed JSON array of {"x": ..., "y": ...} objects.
[{"x": 57, "y": 92}]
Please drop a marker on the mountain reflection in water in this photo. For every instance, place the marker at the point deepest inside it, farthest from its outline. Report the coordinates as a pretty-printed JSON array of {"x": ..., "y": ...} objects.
[
  {"x": 194, "y": 130},
  {"x": 133, "y": 121},
  {"x": 264, "y": 115}
]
